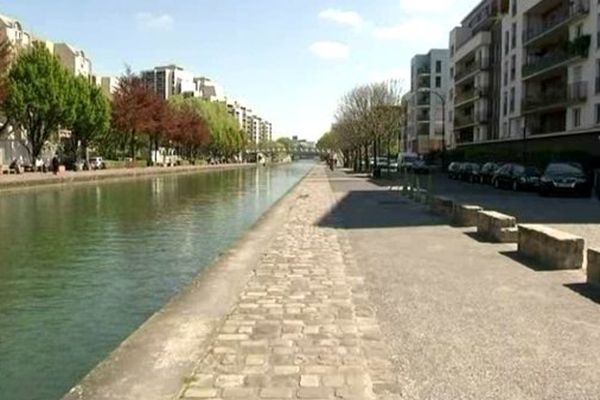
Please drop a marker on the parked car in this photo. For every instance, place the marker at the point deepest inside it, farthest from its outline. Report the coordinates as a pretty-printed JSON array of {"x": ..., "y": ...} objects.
[
  {"x": 469, "y": 172},
  {"x": 565, "y": 178},
  {"x": 453, "y": 170},
  {"x": 97, "y": 163},
  {"x": 516, "y": 177},
  {"x": 526, "y": 178},
  {"x": 487, "y": 172},
  {"x": 420, "y": 167},
  {"x": 406, "y": 161}
]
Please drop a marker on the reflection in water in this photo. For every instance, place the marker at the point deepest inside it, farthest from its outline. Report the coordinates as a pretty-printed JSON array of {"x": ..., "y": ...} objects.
[{"x": 81, "y": 267}]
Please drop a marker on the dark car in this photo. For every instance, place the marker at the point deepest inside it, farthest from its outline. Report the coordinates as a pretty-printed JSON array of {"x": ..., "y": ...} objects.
[
  {"x": 487, "y": 172},
  {"x": 565, "y": 178},
  {"x": 526, "y": 178},
  {"x": 453, "y": 170},
  {"x": 516, "y": 177},
  {"x": 469, "y": 172}
]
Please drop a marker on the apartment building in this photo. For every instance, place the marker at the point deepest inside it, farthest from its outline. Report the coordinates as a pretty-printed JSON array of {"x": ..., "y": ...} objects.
[
  {"x": 266, "y": 131},
  {"x": 527, "y": 71},
  {"x": 109, "y": 85},
  {"x": 12, "y": 31},
  {"x": 209, "y": 89},
  {"x": 170, "y": 80},
  {"x": 426, "y": 102},
  {"x": 73, "y": 59}
]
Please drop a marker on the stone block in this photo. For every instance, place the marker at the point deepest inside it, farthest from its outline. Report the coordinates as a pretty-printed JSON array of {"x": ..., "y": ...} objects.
[
  {"x": 550, "y": 247},
  {"x": 593, "y": 267},
  {"x": 497, "y": 227},
  {"x": 465, "y": 215},
  {"x": 441, "y": 205}
]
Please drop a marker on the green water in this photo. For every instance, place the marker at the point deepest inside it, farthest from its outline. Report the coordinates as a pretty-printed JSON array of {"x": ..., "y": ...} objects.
[{"x": 82, "y": 267}]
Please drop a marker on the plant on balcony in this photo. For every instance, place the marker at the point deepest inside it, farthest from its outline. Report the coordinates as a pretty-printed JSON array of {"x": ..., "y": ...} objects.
[{"x": 580, "y": 46}]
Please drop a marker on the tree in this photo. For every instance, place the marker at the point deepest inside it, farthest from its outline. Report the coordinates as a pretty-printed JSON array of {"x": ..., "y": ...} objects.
[
  {"x": 287, "y": 143},
  {"x": 188, "y": 129},
  {"x": 91, "y": 117},
  {"x": 38, "y": 97},
  {"x": 5, "y": 61},
  {"x": 135, "y": 109}
]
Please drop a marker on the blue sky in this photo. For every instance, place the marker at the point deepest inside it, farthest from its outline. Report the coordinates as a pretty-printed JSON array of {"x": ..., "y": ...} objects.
[{"x": 291, "y": 60}]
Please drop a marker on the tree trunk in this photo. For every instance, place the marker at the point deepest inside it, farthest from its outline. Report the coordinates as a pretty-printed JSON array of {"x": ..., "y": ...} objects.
[{"x": 132, "y": 147}]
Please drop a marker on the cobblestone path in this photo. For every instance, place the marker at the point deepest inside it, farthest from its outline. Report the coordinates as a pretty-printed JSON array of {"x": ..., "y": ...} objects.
[{"x": 302, "y": 327}]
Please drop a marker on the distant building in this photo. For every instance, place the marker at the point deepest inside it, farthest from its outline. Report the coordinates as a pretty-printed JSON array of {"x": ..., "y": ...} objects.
[
  {"x": 73, "y": 59},
  {"x": 109, "y": 85},
  {"x": 12, "y": 31},
  {"x": 208, "y": 89},
  {"x": 170, "y": 80},
  {"x": 430, "y": 76}
]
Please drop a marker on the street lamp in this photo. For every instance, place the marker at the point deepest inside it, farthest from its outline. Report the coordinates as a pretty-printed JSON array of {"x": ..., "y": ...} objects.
[{"x": 443, "y": 100}]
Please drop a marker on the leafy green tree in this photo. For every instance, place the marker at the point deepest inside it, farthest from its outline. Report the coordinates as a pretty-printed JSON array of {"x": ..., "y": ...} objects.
[
  {"x": 287, "y": 143},
  {"x": 91, "y": 117},
  {"x": 38, "y": 97}
]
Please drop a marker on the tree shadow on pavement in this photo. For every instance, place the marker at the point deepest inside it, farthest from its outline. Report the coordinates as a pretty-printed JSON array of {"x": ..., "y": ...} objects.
[
  {"x": 363, "y": 209},
  {"x": 585, "y": 290}
]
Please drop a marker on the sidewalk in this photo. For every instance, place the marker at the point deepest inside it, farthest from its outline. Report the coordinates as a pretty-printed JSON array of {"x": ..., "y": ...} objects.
[
  {"x": 463, "y": 319},
  {"x": 30, "y": 179},
  {"x": 303, "y": 327}
]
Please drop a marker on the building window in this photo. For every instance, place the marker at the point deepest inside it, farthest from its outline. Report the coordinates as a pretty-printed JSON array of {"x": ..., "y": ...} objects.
[
  {"x": 506, "y": 41},
  {"x": 438, "y": 67},
  {"x": 513, "y": 9},
  {"x": 505, "y": 73},
  {"x": 597, "y": 114},
  {"x": 512, "y": 99},
  {"x": 576, "y": 117},
  {"x": 514, "y": 36},
  {"x": 513, "y": 67},
  {"x": 505, "y": 104},
  {"x": 438, "y": 81}
]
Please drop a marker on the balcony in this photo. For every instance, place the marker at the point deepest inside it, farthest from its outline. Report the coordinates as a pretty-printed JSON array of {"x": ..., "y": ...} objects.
[
  {"x": 463, "y": 121},
  {"x": 578, "y": 92},
  {"x": 576, "y": 48},
  {"x": 423, "y": 115},
  {"x": 423, "y": 130},
  {"x": 424, "y": 71},
  {"x": 465, "y": 97},
  {"x": 423, "y": 99},
  {"x": 424, "y": 81},
  {"x": 576, "y": 9},
  {"x": 545, "y": 100},
  {"x": 477, "y": 65}
]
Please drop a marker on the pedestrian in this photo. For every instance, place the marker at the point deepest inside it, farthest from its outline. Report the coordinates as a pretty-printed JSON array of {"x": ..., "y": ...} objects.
[{"x": 55, "y": 164}]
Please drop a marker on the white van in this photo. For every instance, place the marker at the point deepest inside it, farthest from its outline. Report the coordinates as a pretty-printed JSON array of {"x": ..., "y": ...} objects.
[{"x": 407, "y": 160}]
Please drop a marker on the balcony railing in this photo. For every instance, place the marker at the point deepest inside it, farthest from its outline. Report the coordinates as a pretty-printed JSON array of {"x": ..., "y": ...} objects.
[
  {"x": 578, "y": 92},
  {"x": 546, "y": 61},
  {"x": 462, "y": 120},
  {"x": 424, "y": 71},
  {"x": 423, "y": 99},
  {"x": 477, "y": 65},
  {"x": 423, "y": 116},
  {"x": 577, "y": 8},
  {"x": 423, "y": 130},
  {"x": 465, "y": 96},
  {"x": 545, "y": 99}
]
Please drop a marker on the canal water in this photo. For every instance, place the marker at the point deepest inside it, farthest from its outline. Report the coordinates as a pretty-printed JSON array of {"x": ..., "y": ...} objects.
[{"x": 82, "y": 267}]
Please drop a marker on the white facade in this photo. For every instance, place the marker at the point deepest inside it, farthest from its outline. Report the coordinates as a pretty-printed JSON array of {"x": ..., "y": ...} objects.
[
  {"x": 170, "y": 80},
  {"x": 543, "y": 78},
  {"x": 208, "y": 89},
  {"x": 426, "y": 101},
  {"x": 12, "y": 31},
  {"x": 109, "y": 85},
  {"x": 73, "y": 59}
]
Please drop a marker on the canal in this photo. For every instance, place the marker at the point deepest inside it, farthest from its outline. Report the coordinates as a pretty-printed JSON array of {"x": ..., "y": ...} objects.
[{"x": 82, "y": 267}]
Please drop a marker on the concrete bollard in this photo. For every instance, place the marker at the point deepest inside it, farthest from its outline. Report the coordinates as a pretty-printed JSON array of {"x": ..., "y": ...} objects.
[
  {"x": 465, "y": 215},
  {"x": 550, "y": 247},
  {"x": 497, "y": 227},
  {"x": 593, "y": 267}
]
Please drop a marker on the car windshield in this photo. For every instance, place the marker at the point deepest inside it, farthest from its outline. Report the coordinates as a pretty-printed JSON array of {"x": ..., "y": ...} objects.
[{"x": 565, "y": 169}]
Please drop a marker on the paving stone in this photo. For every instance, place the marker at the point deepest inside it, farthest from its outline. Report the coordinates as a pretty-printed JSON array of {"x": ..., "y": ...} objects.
[
  {"x": 309, "y": 381},
  {"x": 315, "y": 393},
  {"x": 200, "y": 393},
  {"x": 276, "y": 393}
]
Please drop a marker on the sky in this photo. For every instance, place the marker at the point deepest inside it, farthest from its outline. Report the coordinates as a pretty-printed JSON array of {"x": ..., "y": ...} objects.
[{"x": 290, "y": 60}]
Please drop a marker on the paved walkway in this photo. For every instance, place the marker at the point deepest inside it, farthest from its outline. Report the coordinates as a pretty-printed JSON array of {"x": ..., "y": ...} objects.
[
  {"x": 464, "y": 319},
  {"x": 302, "y": 328}
]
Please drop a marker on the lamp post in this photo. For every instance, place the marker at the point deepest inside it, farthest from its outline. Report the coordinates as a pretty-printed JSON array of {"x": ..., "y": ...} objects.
[{"x": 443, "y": 100}]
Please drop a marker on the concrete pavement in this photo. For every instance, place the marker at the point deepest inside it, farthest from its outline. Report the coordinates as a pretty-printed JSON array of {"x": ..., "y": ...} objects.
[{"x": 464, "y": 319}]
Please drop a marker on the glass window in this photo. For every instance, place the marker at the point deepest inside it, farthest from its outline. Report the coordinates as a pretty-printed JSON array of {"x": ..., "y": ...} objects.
[
  {"x": 438, "y": 81},
  {"x": 438, "y": 67},
  {"x": 576, "y": 117}
]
